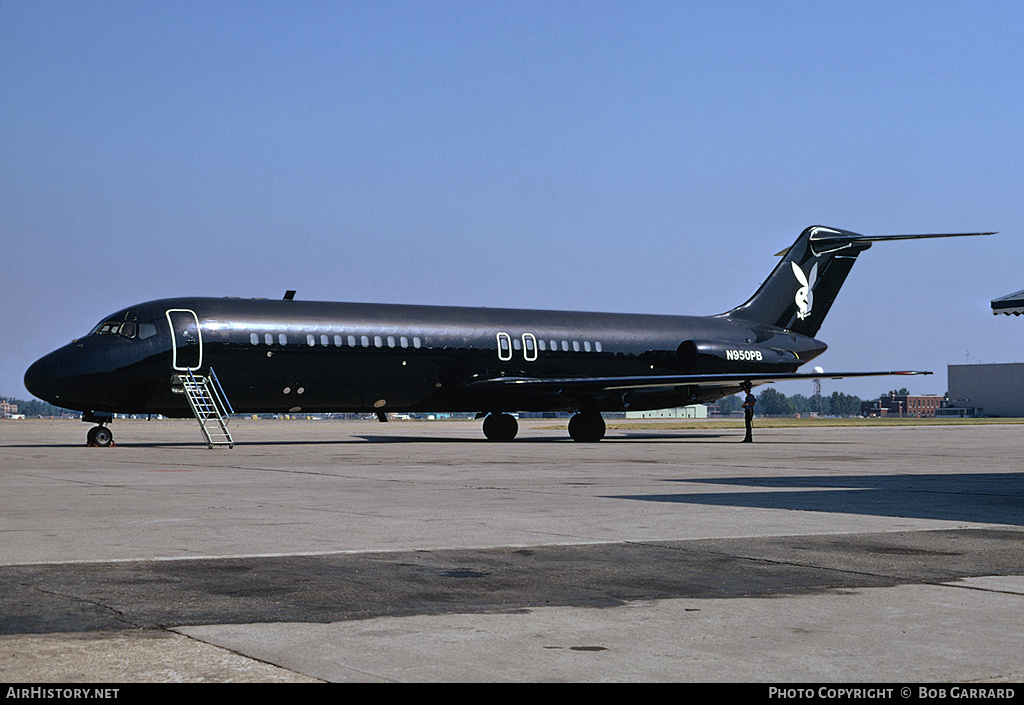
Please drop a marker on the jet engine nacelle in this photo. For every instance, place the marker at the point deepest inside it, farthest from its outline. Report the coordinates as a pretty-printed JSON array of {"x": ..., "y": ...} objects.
[{"x": 713, "y": 356}]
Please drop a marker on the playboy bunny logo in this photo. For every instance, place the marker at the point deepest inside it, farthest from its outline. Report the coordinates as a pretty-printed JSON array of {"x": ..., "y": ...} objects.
[{"x": 805, "y": 294}]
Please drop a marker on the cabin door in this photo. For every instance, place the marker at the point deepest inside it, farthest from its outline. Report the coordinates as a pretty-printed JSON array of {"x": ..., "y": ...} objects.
[{"x": 186, "y": 339}]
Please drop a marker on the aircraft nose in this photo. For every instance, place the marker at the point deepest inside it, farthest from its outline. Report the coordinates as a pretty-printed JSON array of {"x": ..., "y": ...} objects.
[{"x": 43, "y": 376}]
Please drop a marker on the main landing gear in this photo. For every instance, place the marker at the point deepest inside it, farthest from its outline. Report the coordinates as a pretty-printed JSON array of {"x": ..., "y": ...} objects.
[
  {"x": 585, "y": 427},
  {"x": 500, "y": 427}
]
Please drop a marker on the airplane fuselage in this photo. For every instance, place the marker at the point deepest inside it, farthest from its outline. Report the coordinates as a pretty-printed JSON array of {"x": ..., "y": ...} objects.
[{"x": 291, "y": 356}]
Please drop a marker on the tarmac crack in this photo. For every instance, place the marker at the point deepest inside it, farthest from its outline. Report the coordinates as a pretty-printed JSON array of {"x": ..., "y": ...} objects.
[
  {"x": 771, "y": 561},
  {"x": 981, "y": 588},
  {"x": 118, "y": 614}
]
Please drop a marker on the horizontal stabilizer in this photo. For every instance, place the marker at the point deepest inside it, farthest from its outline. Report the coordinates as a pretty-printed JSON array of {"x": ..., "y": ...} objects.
[
  {"x": 825, "y": 239},
  {"x": 833, "y": 238},
  {"x": 829, "y": 235}
]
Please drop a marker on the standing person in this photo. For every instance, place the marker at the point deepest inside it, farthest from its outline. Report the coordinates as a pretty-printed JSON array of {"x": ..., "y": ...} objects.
[{"x": 748, "y": 411}]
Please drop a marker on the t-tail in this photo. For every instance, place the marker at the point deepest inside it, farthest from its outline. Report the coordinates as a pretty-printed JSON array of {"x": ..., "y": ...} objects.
[{"x": 800, "y": 291}]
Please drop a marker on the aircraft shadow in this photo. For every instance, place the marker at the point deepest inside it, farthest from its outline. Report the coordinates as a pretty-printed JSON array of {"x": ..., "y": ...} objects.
[
  {"x": 358, "y": 440},
  {"x": 556, "y": 437},
  {"x": 663, "y": 435},
  {"x": 990, "y": 498}
]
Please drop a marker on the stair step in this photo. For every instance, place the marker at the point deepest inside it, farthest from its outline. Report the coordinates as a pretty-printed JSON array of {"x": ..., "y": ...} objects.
[{"x": 207, "y": 407}]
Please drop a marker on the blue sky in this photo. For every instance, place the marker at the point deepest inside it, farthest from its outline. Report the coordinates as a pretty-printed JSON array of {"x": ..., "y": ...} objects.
[{"x": 644, "y": 157}]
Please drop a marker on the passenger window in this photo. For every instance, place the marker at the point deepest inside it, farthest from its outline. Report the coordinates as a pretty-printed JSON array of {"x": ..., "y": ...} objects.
[
  {"x": 337, "y": 341},
  {"x": 253, "y": 338},
  {"x": 282, "y": 338},
  {"x": 310, "y": 340},
  {"x": 269, "y": 339}
]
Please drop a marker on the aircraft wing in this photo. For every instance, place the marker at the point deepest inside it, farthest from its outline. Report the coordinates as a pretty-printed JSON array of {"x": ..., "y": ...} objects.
[{"x": 569, "y": 385}]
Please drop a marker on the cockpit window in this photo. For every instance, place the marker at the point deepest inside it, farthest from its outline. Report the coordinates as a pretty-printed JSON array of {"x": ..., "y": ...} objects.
[
  {"x": 126, "y": 329},
  {"x": 107, "y": 328}
]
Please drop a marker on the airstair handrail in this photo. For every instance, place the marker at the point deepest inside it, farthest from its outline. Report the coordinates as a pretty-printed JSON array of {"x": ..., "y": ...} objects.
[{"x": 218, "y": 391}]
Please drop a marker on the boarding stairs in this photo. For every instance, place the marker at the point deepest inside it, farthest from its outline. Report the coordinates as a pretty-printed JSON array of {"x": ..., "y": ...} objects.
[{"x": 210, "y": 406}]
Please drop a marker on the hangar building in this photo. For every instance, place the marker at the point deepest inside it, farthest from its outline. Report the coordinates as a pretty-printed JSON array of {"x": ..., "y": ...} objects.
[
  {"x": 994, "y": 390},
  {"x": 997, "y": 389}
]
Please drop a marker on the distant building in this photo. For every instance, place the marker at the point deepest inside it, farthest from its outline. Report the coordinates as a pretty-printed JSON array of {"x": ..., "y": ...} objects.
[
  {"x": 7, "y": 410},
  {"x": 957, "y": 412},
  {"x": 697, "y": 411},
  {"x": 994, "y": 390},
  {"x": 903, "y": 405}
]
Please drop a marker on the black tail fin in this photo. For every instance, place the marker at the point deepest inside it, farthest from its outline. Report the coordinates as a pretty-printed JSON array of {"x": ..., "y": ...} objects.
[{"x": 801, "y": 289}]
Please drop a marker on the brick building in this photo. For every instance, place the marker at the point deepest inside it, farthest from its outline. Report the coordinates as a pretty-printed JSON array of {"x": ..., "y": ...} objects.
[{"x": 903, "y": 405}]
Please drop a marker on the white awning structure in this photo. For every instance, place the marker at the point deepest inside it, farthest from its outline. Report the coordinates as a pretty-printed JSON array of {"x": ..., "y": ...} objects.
[{"x": 1011, "y": 304}]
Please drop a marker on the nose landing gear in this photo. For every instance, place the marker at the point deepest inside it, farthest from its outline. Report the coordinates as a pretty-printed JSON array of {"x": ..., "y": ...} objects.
[{"x": 98, "y": 436}]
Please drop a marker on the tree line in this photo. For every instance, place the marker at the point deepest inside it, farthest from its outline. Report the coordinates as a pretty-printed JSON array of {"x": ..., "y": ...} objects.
[
  {"x": 771, "y": 402},
  {"x": 39, "y": 408}
]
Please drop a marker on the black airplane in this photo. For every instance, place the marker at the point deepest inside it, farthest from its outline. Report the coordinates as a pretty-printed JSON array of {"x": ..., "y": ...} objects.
[{"x": 288, "y": 356}]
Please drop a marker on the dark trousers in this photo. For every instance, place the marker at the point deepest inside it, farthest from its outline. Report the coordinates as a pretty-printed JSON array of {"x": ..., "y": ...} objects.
[{"x": 749, "y": 418}]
